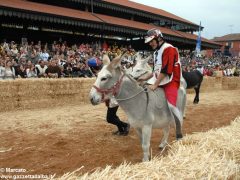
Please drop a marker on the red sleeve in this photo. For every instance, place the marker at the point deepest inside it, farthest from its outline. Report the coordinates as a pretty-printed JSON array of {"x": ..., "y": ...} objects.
[{"x": 168, "y": 60}]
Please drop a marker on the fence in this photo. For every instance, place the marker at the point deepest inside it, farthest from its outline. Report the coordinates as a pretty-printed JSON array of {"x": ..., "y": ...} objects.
[{"x": 46, "y": 93}]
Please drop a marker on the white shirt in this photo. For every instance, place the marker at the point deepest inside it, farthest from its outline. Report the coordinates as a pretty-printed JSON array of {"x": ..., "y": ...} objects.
[
  {"x": 44, "y": 56},
  {"x": 157, "y": 60}
]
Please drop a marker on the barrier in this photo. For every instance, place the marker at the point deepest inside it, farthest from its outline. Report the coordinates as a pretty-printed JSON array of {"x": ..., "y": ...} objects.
[
  {"x": 43, "y": 93},
  {"x": 213, "y": 84},
  {"x": 46, "y": 93}
]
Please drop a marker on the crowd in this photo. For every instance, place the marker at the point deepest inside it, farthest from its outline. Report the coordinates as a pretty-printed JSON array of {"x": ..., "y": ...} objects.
[
  {"x": 214, "y": 66},
  {"x": 42, "y": 60},
  {"x": 32, "y": 60}
]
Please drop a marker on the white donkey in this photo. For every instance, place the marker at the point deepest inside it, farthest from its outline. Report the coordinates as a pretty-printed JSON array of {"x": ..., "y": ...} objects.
[
  {"x": 145, "y": 109},
  {"x": 142, "y": 69}
]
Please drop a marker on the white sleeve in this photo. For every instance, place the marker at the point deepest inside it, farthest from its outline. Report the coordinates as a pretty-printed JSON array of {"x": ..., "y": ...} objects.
[{"x": 113, "y": 102}]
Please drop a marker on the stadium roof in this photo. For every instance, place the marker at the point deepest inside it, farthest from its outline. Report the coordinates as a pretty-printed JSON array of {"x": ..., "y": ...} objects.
[
  {"x": 49, "y": 9},
  {"x": 152, "y": 10},
  {"x": 55, "y": 14}
]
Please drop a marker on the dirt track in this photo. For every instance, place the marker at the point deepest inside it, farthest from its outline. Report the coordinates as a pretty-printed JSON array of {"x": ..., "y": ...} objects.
[{"x": 63, "y": 139}]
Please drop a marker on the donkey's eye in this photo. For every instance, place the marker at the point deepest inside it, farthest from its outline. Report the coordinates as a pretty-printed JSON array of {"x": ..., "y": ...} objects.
[
  {"x": 138, "y": 70},
  {"x": 104, "y": 79}
]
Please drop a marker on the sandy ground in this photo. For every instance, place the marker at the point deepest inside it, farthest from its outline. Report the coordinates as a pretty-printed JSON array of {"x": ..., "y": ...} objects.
[{"x": 63, "y": 139}]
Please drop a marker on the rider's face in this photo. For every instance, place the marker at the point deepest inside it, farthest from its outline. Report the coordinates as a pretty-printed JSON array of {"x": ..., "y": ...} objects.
[{"x": 153, "y": 43}]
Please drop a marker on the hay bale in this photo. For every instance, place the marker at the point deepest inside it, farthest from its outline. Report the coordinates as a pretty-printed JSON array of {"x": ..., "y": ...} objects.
[
  {"x": 205, "y": 84},
  {"x": 225, "y": 83},
  {"x": 40, "y": 93},
  {"x": 209, "y": 155},
  {"x": 190, "y": 91},
  {"x": 238, "y": 81},
  {"x": 231, "y": 83},
  {"x": 218, "y": 74}
]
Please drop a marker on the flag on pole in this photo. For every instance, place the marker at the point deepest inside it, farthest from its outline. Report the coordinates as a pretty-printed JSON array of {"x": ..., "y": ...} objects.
[{"x": 198, "y": 45}]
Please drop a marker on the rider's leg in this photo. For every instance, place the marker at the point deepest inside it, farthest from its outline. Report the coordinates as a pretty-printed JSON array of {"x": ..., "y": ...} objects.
[
  {"x": 114, "y": 119},
  {"x": 171, "y": 93},
  {"x": 178, "y": 119}
]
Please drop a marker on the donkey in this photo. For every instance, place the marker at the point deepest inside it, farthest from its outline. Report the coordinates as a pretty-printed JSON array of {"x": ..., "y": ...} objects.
[
  {"x": 142, "y": 69},
  {"x": 193, "y": 80},
  {"x": 190, "y": 80},
  {"x": 145, "y": 109}
]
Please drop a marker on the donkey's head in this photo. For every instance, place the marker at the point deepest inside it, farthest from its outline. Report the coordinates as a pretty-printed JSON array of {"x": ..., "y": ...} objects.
[
  {"x": 108, "y": 80},
  {"x": 141, "y": 68}
]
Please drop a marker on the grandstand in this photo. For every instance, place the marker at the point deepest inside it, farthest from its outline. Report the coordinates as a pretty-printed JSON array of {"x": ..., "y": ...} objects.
[{"x": 84, "y": 20}]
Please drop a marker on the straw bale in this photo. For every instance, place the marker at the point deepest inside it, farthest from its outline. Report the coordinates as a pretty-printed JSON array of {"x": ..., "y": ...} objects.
[
  {"x": 9, "y": 104},
  {"x": 190, "y": 91},
  {"x": 38, "y": 93},
  {"x": 210, "y": 84},
  {"x": 230, "y": 83},
  {"x": 8, "y": 88},
  {"x": 208, "y": 155},
  {"x": 218, "y": 74},
  {"x": 35, "y": 93},
  {"x": 225, "y": 83}
]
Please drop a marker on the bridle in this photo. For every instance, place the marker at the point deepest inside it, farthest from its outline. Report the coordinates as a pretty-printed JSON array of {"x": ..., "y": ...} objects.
[{"x": 114, "y": 89}]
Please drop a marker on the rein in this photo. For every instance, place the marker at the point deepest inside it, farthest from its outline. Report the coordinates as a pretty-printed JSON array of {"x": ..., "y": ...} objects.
[
  {"x": 116, "y": 88},
  {"x": 133, "y": 80}
]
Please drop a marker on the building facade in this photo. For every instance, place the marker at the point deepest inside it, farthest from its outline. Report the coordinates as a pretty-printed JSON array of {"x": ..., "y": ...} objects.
[
  {"x": 230, "y": 45},
  {"x": 86, "y": 20}
]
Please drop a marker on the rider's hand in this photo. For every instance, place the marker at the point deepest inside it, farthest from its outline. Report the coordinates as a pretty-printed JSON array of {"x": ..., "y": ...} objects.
[
  {"x": 153, "y": 87},
  {"x": 141, "y": 79}
]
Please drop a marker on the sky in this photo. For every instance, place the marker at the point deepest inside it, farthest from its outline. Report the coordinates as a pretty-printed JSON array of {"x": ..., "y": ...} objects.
[{"x": 218, "y": 17}]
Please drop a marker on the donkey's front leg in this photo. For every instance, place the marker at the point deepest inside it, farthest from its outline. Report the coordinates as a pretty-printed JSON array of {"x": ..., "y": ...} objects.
[
  {"x": 196, "y": 99},
  {"x": 139, "y": 133},
  {"x": 164, "y": 141},
  {"x": 146, "y": 136}
]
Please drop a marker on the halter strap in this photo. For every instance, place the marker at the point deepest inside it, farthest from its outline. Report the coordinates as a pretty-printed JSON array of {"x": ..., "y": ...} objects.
[{"x": 114, "y": 89}]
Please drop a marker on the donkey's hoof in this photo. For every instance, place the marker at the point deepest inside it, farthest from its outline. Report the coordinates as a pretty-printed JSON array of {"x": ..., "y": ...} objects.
[
  {"x": 179, "y": 136},
  {"x": 195, "y": 102},
  {"x": 162, "y": 145},
  {"x": 145, "y": 159}
]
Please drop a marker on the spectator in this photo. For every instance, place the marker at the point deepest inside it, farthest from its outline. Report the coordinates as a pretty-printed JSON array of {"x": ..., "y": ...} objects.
[
  {"x": 44, "y": 55},
  {"x": 41, "y": 69},
  {"x": 22, "y": 72},
  {"x": 31, "y": 71},
  {"x": 53, "y": 70},
  {"x": 14, "y": 51},
  {"x": 86, "y": 71},
  {"x": 9, "y": 71},
  {"x": 2, "y": 70}
]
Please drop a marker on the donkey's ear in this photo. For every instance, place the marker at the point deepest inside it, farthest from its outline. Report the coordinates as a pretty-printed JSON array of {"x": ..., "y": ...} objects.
[
  {"x": 138, "y": 55},
  {"x": 106, "y": 60},
  {"x": 147, "y": 59},
  {"x": 115, "y": 63}
]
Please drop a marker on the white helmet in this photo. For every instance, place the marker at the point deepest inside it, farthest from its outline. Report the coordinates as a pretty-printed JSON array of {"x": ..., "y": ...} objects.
[{"x": 153, "y": 33}]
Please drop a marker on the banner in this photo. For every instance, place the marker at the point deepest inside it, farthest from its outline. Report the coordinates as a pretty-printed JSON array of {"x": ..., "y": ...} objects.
[{"x": 198, "y": 45}]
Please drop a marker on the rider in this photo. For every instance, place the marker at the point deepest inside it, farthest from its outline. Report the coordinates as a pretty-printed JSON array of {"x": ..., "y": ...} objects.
[{"x": 166, "y": 70}]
